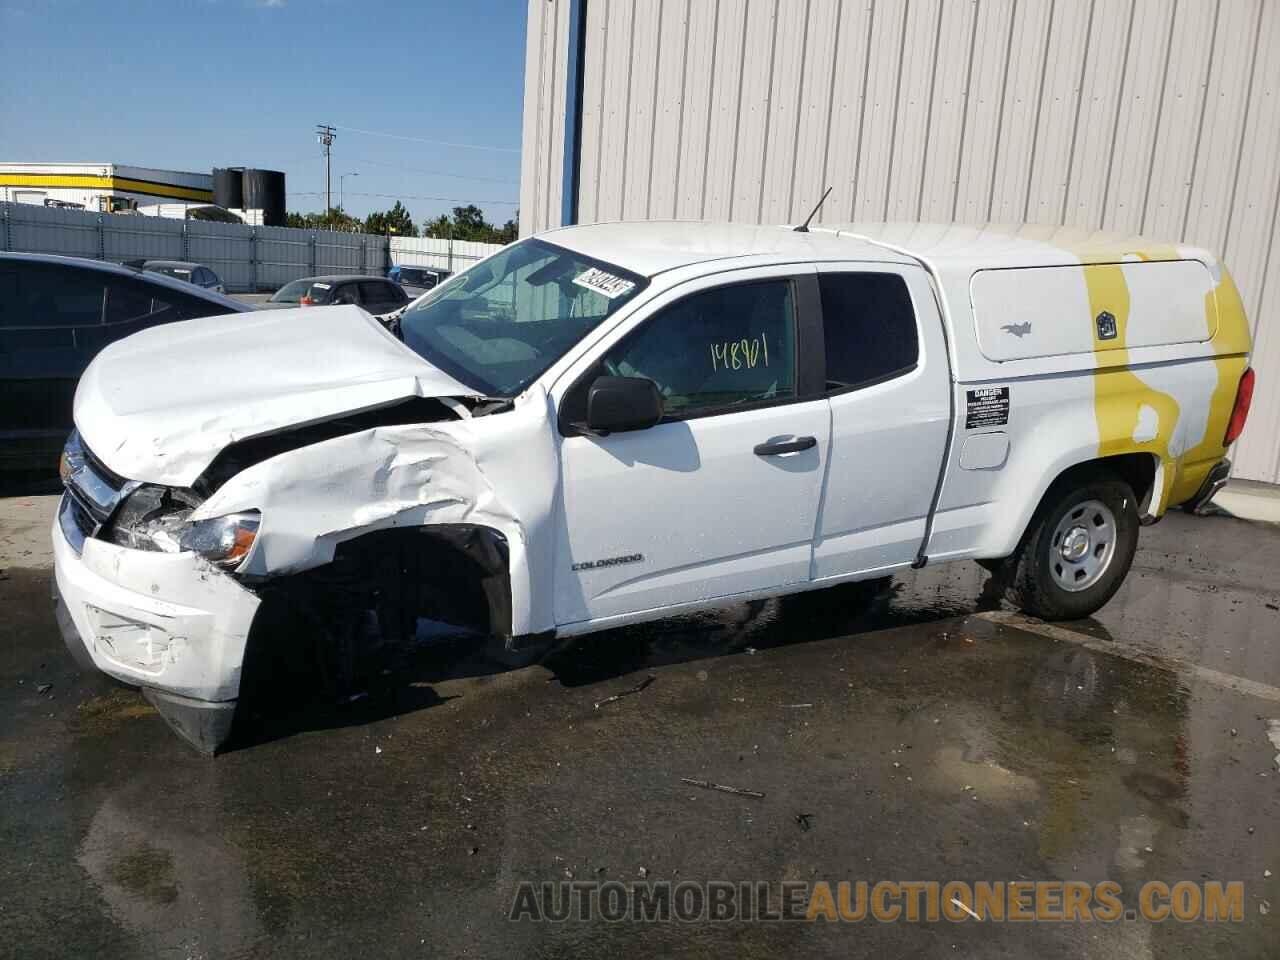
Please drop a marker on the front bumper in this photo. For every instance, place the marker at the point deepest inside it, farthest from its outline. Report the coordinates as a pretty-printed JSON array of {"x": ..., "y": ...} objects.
[{"x": 172, "y": 623}]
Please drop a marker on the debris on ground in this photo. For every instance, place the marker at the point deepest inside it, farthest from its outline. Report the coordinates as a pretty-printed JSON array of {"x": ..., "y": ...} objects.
[
  {"x": 957, "y": 902},
  {"x": 802, "y": 820},
  {"x": 626, "y": 693},
  {"x": 377, "y": 749},
  {"x": 750, "y": 651},
  {"x": 708, "y": 785},
  {"x": 43, "y": 687},
  {"x": 797, "y": 706},
  {"x": 1273, "y": 734},
  {"x": 644, "y": 872}
]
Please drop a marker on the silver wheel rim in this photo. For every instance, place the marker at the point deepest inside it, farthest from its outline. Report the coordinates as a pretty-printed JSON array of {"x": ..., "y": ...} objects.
[{"x": 1082, "y": 546}]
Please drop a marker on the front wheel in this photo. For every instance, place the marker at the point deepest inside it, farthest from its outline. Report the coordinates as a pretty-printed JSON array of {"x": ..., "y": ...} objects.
[{"x": 1078, "y": 550}]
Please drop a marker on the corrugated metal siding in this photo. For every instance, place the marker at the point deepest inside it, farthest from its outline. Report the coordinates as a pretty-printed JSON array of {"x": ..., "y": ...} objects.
[{"x": 1151, "y": 116}]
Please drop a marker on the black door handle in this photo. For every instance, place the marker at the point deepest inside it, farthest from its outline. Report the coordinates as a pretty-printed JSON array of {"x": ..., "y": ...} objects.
[{"x": 772, "y": 449}]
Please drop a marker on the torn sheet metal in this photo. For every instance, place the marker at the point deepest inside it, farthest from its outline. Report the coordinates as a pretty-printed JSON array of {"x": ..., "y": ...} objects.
[
  {"x": 163, "y": 422},
  {"x": 500, "y": 471}
]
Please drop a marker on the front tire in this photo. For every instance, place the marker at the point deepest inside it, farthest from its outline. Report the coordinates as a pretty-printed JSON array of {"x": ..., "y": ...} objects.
[{"x": 1078, "y": 549}]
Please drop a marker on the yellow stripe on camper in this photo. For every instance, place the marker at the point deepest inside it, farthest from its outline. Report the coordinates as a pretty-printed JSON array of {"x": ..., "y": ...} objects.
[{"x": 151, "y": 188}]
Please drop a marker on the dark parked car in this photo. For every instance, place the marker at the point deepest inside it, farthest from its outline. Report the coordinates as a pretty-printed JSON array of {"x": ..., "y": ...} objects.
[
  {"x": 195, "y": 273},
  {"x": 56, "y": 313},
  {"x": 418, "y": 280},
  {"x": 377, "y": 295}
]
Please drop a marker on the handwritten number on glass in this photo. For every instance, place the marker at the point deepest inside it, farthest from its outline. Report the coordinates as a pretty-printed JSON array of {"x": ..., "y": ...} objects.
[{"x": 740, "y": 354}]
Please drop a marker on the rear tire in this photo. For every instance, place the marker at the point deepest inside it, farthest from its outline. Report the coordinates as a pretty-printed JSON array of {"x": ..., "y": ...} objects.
[{"x": 1077, "y": 550}]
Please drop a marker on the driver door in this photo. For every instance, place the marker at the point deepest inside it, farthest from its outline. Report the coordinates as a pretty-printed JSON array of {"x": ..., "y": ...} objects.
[{"x": 721, "y": 497}]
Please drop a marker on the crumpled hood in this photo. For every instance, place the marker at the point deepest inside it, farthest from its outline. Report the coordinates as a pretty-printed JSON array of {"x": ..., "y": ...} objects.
[{"x": 159, "y": 406}]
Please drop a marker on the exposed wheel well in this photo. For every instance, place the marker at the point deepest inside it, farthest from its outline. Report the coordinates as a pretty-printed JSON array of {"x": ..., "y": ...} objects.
[{"x": 372, "y": 595}]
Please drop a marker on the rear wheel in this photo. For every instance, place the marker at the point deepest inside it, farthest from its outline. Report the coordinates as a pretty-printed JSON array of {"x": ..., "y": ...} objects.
[{"x": 1078, "y": 549}]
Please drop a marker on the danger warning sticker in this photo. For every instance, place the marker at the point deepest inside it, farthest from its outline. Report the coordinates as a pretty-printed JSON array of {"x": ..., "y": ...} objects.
[
  {"x": 604, "y": 283},
  {"x": 986, "y": 407}
]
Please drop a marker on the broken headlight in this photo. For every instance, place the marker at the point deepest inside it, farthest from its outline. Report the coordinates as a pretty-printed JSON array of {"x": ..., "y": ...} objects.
[{"x": 159, "y": 518}]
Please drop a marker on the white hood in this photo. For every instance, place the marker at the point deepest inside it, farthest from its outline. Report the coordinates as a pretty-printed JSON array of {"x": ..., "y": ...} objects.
[{"x": 159, "y": 406}]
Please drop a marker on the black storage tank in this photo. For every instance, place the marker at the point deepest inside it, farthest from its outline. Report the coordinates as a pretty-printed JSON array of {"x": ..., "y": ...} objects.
[
  {"x": 264, "y": 190},
  {"x": 228, "y": 187}
]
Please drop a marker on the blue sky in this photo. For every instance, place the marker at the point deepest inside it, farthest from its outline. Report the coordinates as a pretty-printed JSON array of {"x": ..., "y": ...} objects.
[{"x": 193, "y": 84}]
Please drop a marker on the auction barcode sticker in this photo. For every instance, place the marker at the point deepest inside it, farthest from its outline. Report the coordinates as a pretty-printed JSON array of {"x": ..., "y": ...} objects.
[{"x": 605, "y": 284}]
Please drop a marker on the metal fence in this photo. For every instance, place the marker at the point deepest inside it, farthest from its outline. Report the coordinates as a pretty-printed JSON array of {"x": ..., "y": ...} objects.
[
  {"x": 247, "y": 258},
  {"x": 452, "y": 255}
]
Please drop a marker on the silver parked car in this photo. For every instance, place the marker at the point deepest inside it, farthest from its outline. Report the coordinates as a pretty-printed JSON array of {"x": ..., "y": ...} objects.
[{"x": 195, "y": 273}]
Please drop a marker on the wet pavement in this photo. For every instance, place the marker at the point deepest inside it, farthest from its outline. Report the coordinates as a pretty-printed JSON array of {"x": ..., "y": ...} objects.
[{"x": 915, "y": 733}]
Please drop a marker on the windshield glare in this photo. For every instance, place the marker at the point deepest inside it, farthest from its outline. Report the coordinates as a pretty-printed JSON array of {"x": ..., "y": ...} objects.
[{"x": 501, "y": 324}]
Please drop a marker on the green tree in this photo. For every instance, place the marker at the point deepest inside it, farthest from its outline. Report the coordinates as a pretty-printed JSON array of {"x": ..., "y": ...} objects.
[
  {"x": 468, "y": 223},
  {"x": 335, "y": 219},
  {"x": 396, "y": 221}
]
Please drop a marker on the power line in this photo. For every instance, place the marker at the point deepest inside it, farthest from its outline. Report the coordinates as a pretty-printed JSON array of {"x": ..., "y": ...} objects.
[
  {"x": 435, "y": 173},
  {"x": 405, "y": 196},
  {"x": 438, "y": 143}
]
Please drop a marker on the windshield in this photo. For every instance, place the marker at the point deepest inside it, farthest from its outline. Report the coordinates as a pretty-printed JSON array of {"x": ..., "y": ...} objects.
[
  {"x": 294, "y": 292},
  {"x": 182, "y": 273},
  {"x": 498, "y": 326}
]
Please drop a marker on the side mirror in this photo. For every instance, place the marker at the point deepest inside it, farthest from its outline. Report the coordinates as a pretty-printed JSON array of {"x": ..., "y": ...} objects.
[{"x": 623, "y": 403}]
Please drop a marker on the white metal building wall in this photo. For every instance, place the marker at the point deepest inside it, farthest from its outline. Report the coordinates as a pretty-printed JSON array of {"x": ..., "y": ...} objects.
[{"x": 1141, "y": 116}]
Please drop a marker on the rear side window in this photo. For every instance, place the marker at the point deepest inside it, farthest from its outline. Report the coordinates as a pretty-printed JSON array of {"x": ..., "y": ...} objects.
[
  {"x": 869, "y": 328},
  {"x": 44, "y": 295},
  {"x": 129, "y": 301},
  {"x": 381, "y": 293}
]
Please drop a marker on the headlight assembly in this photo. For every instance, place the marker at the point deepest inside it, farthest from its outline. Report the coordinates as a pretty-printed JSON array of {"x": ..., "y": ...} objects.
[{"x": 158, "y": 519}]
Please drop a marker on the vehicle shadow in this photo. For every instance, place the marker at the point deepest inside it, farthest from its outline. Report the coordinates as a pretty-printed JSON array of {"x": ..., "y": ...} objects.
[{"x": 402, "y": 681}]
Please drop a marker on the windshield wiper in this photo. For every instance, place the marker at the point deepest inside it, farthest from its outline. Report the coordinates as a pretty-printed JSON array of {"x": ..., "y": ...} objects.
[{"x": 486, "y": 405}]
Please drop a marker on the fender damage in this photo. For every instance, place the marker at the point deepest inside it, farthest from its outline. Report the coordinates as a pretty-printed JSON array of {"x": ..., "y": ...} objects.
[{"x": 387, "y": 493}]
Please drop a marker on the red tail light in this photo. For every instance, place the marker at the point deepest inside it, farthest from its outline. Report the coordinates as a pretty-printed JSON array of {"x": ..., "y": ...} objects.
[{"x": 1240, "y": 412}]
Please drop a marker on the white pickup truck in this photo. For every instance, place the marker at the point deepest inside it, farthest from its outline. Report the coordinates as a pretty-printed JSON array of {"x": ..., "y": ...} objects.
[{"x": 613, "y": 423}]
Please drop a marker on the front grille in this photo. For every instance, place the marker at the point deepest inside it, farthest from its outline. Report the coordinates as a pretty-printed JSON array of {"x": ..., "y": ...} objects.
[{"x": 93, "y": 493}]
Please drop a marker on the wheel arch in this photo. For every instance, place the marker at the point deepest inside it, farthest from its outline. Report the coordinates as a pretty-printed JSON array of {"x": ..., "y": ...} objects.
[{"x": 1142, "y": 471}]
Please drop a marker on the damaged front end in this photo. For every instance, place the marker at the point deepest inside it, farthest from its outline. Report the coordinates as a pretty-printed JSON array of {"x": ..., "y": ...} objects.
[{"x": 302, "y": 552}]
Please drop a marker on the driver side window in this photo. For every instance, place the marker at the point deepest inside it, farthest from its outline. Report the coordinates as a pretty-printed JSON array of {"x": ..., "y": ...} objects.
[{"x": 718, "y": 349}]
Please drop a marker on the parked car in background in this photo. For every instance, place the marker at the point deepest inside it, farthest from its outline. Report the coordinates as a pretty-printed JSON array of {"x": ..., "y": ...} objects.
[
  {"x": 377, "y": 295},
  {"x": 418, "y": 280},
  {"x": 195, "y": 273},
  {"x": 56, "y": 313}
]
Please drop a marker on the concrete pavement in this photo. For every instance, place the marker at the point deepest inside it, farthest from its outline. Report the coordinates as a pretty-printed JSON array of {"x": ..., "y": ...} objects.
[{"x": 921, "y": 733}]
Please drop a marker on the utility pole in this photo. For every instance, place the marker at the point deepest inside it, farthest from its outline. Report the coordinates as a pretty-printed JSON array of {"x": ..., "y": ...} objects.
[{"x": 324, "y": 136}]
